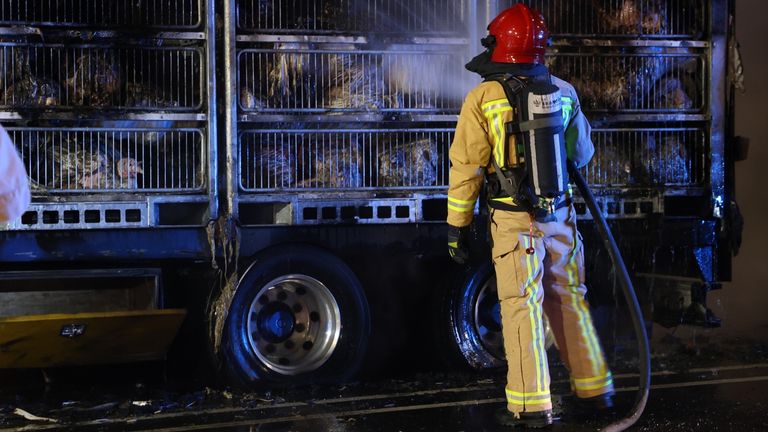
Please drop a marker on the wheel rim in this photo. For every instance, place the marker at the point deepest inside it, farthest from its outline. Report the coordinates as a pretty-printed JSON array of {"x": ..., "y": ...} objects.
[
  {"x": 293, "y": 324},
  {"x": 487, "y": 321}
]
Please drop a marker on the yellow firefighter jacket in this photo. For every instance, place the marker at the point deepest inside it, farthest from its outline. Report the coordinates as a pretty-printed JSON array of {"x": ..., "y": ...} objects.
[{"x": 480, "y": 136}]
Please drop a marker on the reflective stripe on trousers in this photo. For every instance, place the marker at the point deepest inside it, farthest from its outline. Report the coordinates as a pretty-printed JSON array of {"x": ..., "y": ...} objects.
[{"x": 551, "y": 281}]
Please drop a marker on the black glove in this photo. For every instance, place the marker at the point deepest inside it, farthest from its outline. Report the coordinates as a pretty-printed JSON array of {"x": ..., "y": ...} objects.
[{"x": 457, "y": 243}]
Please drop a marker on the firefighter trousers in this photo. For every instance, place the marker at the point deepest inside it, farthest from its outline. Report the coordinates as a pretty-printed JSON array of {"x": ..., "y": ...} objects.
[{"x": 548, "y": 281}]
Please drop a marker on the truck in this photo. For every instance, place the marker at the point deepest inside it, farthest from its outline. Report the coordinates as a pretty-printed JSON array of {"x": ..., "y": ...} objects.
[{"x": 268, "y": 178}]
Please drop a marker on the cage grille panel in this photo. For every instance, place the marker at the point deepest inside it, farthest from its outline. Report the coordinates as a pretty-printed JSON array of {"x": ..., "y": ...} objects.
[
  {"x": 344, "y": 159},
  {"x": 137, "y": 78},
  {"x": 414, "y": 17},
  {"x": 150, "y": 14},
  {"x": 126, "y": 160},
  {"x": 642, "y": 158},
  {"x": 337, "y": 81},
  {"x": 629, "y": 18},
  {"x": 660, "y": 83}
]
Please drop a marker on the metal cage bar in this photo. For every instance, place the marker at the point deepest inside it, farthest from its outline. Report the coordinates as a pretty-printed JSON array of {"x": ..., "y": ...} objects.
[
  {"x": 652, "y": 19},
  {"x": 86, "y": 76},
  {"x": 301, "y": 80},
  {"x": 103, "y": 160},
  {"x": 352, "y": 160},
  {"x": 636, "y": 82},
  {"x": 413, "y": 17},
  {"x": 137, "y": 14},
  {"x": 648, "y": 158}
]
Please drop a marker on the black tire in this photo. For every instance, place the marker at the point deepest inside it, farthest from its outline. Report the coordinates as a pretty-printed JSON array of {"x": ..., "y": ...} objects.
[
  {"x": 299, "y": 316},
  {"x": 474, "y": 321}
]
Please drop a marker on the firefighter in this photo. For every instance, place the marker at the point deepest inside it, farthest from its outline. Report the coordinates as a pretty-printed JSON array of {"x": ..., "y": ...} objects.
[
  {"x": 14, "y": 185},
  {"x": 536, "y": 248}
]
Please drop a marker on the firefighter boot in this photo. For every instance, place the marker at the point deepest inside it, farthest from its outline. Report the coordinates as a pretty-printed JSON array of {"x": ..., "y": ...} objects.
[
  {"x": 535, "y": 419},
  {"x": 599, "y": 403},
  {"x": 591, "y": 408}
]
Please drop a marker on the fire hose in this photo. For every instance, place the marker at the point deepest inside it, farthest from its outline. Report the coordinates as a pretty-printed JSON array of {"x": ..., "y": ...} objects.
[{"x": 629, "y": 295}]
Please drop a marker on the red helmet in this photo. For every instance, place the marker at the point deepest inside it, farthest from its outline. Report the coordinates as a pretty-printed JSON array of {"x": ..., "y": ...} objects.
[{"x": 520, "y": 35}]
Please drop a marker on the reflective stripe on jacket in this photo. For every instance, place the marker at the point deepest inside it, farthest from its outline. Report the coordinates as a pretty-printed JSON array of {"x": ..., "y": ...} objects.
[{"x": 480, "y": 135}]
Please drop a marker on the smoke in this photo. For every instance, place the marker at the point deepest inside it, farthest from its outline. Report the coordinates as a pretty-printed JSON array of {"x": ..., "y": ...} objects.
[
  {"x": 429, "y": 80},
  {"x": 413, "y": 59},
  {"x": 430, "y": 74},
  {"x": 459, "y": 81}
]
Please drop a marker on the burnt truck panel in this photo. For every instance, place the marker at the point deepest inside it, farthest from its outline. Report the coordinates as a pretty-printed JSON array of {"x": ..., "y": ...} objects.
[
  {"x": 90, "y": 14},
  {"x": 354, "y": 17},
  {"x": 344, "y": 159},
  {"x": 641, "y": 80},
  {"x": 291, "y": 78},
  {"x": 366, "y": 95},
  {"x": 624, "y": 19},
  {"x": 105, "y": 77}
]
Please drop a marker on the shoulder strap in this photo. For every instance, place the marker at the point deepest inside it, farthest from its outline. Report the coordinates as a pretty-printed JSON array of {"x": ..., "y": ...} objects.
[
  {"x": 511, "y": 85},
  {"x": 506, "y": 182}
]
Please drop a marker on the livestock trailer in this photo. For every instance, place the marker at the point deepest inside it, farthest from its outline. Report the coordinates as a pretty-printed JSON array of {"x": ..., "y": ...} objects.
[{"x": 272, "y": 175}]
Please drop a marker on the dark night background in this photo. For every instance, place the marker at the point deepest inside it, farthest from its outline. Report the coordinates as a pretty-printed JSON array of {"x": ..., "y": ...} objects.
[{"x": 742, "y": 303}]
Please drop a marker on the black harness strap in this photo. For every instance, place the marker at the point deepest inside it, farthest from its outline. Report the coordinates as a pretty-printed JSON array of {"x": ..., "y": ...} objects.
[
  {"x": 506, "y": 182},
  {"x": 546, "y": 122}
]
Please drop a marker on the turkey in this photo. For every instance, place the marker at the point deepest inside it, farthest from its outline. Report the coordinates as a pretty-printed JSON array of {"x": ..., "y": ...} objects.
[
  {"x": 123, "y": 176},
  {"x": 353, "y": 84},
  {"x": 334, "y": 165},
  {"x": 31, "y": 91},
  {"x": 94, "y": 79},
  {"x": 73, "y": 159},
  {"x": 409, "y": 164}
]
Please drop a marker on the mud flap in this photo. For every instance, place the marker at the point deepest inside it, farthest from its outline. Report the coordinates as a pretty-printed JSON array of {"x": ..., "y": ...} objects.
[{"x": 51, "y": 340}]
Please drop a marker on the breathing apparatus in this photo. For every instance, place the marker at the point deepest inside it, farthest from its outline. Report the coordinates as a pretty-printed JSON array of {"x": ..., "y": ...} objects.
[{"x": 541, "y": 185}]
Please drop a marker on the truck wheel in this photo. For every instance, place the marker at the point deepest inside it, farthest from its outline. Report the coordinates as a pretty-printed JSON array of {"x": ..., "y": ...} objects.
[
  {"x": 299, "y": 316},
  {"x": 475, "y": 321}
]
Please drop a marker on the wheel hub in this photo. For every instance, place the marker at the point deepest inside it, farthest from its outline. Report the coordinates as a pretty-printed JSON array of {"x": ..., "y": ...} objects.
[
  {"x": 294, "y": 324},
  {"x": 276, "y": 322}
]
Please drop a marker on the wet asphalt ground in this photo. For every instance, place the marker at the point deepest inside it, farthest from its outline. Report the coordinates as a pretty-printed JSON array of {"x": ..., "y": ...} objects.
[{"x": 722, "y": 387}]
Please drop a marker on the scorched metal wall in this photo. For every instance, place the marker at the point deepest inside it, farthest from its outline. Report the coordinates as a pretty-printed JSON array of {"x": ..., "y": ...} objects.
[
  {"x": 340, "y": 110},
  {"x": 650, "y": 76},
  {"x": 111, "y": 107}
]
